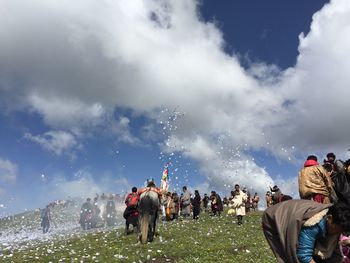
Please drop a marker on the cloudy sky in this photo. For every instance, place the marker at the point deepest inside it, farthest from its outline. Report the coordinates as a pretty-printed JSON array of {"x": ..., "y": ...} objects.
[{"x": 96, "y": 96}]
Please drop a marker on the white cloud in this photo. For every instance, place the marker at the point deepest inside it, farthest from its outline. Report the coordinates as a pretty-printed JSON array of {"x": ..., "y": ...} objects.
[
  {"x": 121, "y": 129},
  {"x": 78, "y": 187},
  {"x": 67, "y": 113},
  {"x": 317, "y": 86},
  {"x": 82, "y": 59},
  {"x": 222, "y": 165},
  {"x": 58, "y": 142},
  {"x": 84, "y": 184},
  {"x": 8, "y": 171}
]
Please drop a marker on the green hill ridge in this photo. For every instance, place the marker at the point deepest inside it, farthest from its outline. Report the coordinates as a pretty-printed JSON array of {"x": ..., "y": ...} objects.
[{"x": 209, "y": 239}]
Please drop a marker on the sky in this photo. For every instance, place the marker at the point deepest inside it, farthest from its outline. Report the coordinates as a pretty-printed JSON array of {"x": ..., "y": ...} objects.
[{"x": 97, "y": 96}]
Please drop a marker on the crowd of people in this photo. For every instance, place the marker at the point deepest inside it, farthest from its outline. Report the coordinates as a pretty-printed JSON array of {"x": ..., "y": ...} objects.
[
  {"x": 101, "y": 210},
  {"x": 309, "y": 229},
  {"x": 186, "y": 205},
  {"x": 93, "y": 214}
]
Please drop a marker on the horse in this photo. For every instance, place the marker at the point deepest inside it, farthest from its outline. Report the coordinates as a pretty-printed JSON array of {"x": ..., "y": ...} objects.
[
  {"x": 281, "y": 198},
  {"x": 148, "y": 209},
  {"x": 277, "y": 195}
]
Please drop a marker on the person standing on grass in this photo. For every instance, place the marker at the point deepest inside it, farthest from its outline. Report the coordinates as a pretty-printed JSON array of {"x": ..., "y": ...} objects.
[
  {"x": 256, "y": 200},
  {"x": 248, "y": 203},
  {"x": 110, "y": 212},
  {"x": 95, "y": 213},
  {"x": 196, "y": 204},
  {"x": 86, "y": 214},
  {"x": 220, "y": 203},
  {"x": 170, "y": 207},
  {"x": 163, "y": 204},
  {"x": 45, "y": 219},
  {"x": 185, "y": 202},
  {"x": 176, "y": 201},
  {"x": 205, "y": 201},
  {"x": 216, "y": 203},
  {"x": 238, "y": 203},
  {"x": 131, "y": 212},
  {"x": 268, "y": 199}
]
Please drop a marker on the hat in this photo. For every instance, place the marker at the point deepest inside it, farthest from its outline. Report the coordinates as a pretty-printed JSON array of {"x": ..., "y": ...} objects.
[{"x": 330, "y": 155}]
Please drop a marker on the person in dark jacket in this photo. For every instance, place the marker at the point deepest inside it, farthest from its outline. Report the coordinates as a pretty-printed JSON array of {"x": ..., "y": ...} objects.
[
  {"x": 95, "y": 213},
  {"x": 86, "y": 214},
  {"x": 205, "y": 201},
  {"x": 339, "y": 176},
  {"x": 110, "y": 213},
  {"x": 176, "y": 201},
  {"x": 216, "y": 203},
  {"x": 45, "y": 219},
  {"x": 131, "y": 213},
  {"x": 196, "y": 204}
]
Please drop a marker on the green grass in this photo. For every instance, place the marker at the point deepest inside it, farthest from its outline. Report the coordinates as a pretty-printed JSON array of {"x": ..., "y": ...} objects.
[{"x": 209, "y": 239}]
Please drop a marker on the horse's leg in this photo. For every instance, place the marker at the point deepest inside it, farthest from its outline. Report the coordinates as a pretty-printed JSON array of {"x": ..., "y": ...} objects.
[
  {"x": 144, "y": 227},
  {"x": 152, "y": 227},
  {"x": 155, "y": 222},
  {"x": 136, "y": 228}
]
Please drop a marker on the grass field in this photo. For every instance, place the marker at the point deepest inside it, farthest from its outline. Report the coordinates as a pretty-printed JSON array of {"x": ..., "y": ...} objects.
[{"x": 209, "y": 239}]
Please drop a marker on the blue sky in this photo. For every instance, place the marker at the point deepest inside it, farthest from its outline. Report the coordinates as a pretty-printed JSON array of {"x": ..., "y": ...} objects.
[
  {"x": 265, "y": 31},
  {"x": 97, "y": 96}
]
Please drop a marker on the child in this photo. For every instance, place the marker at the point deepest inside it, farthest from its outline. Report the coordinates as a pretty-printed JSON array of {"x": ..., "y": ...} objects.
[{"x": 345, "y": 248}]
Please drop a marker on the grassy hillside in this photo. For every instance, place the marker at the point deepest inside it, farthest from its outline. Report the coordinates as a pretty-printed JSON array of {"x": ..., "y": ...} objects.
[{"x": 209, "y": 239}]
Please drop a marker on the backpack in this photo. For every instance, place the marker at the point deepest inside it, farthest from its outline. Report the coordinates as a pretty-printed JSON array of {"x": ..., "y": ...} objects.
[{"x": 133, "y": 200}]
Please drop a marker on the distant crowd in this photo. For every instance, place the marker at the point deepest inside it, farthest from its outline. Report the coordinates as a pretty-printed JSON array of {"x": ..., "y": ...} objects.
[
  {"x": 101, "y": 210},
  {"x": 322, "y": 215},
  {"x": 93, "y": 213},
  {"x": 185, "y": 205}
]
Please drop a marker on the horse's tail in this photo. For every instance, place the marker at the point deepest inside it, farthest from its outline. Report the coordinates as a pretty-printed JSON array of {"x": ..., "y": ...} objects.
[{"x": 144, "y": 227}]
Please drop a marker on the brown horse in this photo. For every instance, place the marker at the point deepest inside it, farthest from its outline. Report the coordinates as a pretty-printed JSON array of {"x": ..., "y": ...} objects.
[{"x": 281, "y": 198}]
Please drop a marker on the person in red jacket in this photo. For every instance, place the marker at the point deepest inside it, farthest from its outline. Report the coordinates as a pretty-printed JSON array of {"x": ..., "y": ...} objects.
[{"x": 131, "y": 212}]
